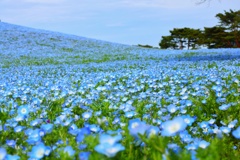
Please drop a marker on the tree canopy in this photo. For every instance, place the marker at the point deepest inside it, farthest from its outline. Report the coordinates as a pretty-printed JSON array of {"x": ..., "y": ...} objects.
[{"x": 224, "y": 35}]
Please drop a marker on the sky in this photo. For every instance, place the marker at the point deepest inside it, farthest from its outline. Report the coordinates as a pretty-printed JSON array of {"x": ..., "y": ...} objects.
[{"x": 123, "y": 21}]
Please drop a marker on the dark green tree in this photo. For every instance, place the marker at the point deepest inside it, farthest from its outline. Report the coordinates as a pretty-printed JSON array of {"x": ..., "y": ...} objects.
[
  {"x": 167, "y": 42},
  {"x": 215, "y": 37},
  {"x": 192, "y": 37},
  {"x": 231, "y": 22},
  {"x": 181, "y": 38},
  {"x": 178, "y": 35}
]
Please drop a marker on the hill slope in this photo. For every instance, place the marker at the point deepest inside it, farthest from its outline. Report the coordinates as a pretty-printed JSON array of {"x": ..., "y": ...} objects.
[
  {"x": 23, "y": 46},
  {"x": 28, "y": 43}
]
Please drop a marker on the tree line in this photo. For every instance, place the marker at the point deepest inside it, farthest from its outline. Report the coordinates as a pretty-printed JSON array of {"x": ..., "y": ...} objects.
[{"x": 224, "y": 35}]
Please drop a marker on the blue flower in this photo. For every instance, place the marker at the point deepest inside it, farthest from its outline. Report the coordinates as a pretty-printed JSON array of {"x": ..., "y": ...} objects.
[
  {"x": 3, "y": 153},
  {"x": 188, "y": 119},
  {"x": 232, "y": 123},
  {"x": 225, "y": 130},
  {"x": 69, "y": 150},
  {"x": 105, "y": 138},
  {"x": 11, "y": 143},
  {"x": 185, "y": 136},
  {"x": 108, "y": 145},
  {"x": 94, "y": 128},
  {"x": 191, "y": 146},
  {"x": 73, "y": 130},
  {"x": 153, "y": 130},
  {"x": 87, "y": 115},
  {"x": 130, "y": 114},
  {"x": 47, "y": 127},
  {"x": 224, "y": 107},
  {"x": 36, "y": 122},
  {"x": 23, "y": 110},
  {"x": 33, "y": 136},
  {"x": 108, "y": 149},
  {"x": 84, "y": 155},
  {"x": 172, "y": 127},
  {"x": 12, "y": 157},
  {"x": 236, "y": 133},
  {"x": 18, "y": 128},
  {"x": 82, "y": 132},
  {"x": 203, "y": 144},
  {"x": 19, "y": 118},
  {"x": 174, "y": 147},
  {"x": 38, "y": 151},
  {"x": 172, "y": 108},
  {"x": 136, "y": 126}
]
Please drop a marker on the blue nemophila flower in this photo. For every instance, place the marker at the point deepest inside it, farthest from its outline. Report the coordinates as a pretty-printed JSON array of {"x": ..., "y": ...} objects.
[
  {"x": 38, "y": 151},
  {"x": 18, "y": 128},
  {"x": 87, "y": 115},
  {"x": 204, "y": 101},
  {"x": 217, "y": 131},
  {"x": 236, "y": 133},
  {"x": 47, "y": 128},
  {"x": 185, "y": 136},
  {"x": 171, "y": 108},
  {"x": 47, "y": 150},
  {"x": 19, "y": 118},
  {"x": 191, "y": 146},
  {"x": 12, "y": 157},
  {"x": 204, "y": 124},
  {"x": 36, "y": 122},
  {"x": 108, "y": 145},
  {"x": 109, "y": 150},
  {"x": 232, "y": 123},
  {"x": 81, "y": 134},
  {"x": 98, "y": 113},
  {"x": 172, "y": 127},
  {"x": 11, "y": 143},
  {"x": 84, "y": 155},
  {"x": 188, "y": 119},
  {"x": 105, "y": 138},
  {"x": 69, "y": 150},
  {"x": 34, "y": 136},
  {"x": 94, "y": 128},
  {"x": 224, "y": 107},
  {"x": 225, "y": 130},
  {"x": 3, "y": 153},
  {"x": 174, "y": 147},
  {"x": 130, "y": 114},
  {"x": 82, "y": 146},
  {"x": 188, "y": 103},
  {"x": 23, "y": 110},
  {"x": 73, "y": 129},
  {"x": 203, "y": 144},
  {"x": 211, "y": 121},
  {"x": 152, "y": 131},
  {"x": 136, "y": 126}
]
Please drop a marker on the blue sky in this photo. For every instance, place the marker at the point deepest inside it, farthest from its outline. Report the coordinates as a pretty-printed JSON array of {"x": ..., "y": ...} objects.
[{"x": 122, "y": 21}]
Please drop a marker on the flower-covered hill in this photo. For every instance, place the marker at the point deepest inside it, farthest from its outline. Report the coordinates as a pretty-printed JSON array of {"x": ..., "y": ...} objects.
[
  {"x": 23, "y": 46},
  {"x": 30, "y": 46},
  {"x": 68, "y": 97}
]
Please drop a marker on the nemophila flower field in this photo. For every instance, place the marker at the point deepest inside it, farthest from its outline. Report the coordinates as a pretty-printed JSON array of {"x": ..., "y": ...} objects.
[{"x": 68, "y": 97}]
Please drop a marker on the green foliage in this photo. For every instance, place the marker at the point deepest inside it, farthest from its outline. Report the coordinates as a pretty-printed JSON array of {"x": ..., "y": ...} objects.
[
  {"x": 226, "y": 35},
  {"x": 145, "y": 46},
  {"x": 167, "y": 42},
  {"x": 180, "y": 37}
]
